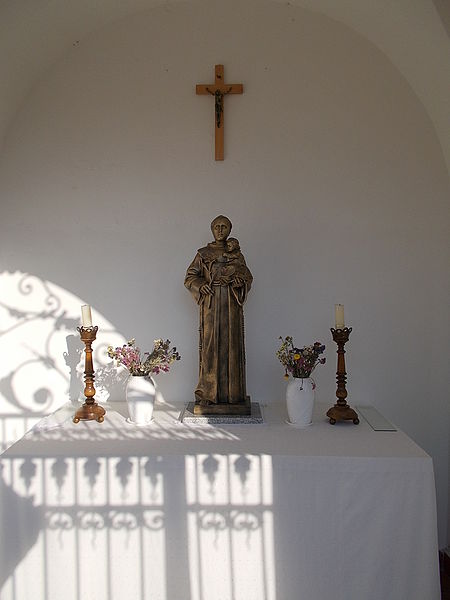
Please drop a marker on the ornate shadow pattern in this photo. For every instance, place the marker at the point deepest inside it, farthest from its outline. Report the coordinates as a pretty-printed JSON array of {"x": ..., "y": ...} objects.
[
  {"x": 42, "y": 363},
  {"x": 151, "y": 525},
  {"x": 230, "y": 522}
]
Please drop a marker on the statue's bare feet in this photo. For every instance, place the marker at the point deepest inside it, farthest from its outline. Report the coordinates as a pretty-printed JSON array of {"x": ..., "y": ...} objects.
[{"x": 205, "y": 402}]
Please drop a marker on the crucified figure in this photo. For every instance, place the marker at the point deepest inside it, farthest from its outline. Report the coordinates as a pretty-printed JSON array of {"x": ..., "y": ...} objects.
[{"x": 218, "y": 103}]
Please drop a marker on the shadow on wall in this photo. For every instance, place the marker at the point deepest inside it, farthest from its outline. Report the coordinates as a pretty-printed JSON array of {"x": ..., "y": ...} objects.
[
  {"x": 20, "y": 523},
  {"x": 159, "y": 526},
  {"x": 43, "y": 360}
]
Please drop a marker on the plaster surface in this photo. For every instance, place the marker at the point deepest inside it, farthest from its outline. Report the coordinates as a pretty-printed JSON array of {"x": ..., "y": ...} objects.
[{"x": 333, "y": 177}]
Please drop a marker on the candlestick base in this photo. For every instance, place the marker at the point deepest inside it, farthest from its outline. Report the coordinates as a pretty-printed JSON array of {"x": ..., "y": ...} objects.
[
  {"x": 90, "y": 412},
  {"x": 342, "y": 413}
]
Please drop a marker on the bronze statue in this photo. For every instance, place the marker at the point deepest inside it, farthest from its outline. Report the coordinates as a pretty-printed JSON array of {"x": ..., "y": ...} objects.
[{"x": 219, "y": 280}]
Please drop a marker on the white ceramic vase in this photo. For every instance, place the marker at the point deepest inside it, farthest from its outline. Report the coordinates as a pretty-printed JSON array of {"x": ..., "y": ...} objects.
[
  {"x": 300, "y": 401},
  {"x": 140, "y": 394}
]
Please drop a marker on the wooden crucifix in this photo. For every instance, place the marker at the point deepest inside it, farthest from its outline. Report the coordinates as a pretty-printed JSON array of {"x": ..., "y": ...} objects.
[{"x": 219, "y": 89}]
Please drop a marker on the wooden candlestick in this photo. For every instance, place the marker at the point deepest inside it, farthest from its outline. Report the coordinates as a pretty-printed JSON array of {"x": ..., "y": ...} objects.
[
  {"x": 341, "y": 411},
  {"x": 90, "y": 409}
]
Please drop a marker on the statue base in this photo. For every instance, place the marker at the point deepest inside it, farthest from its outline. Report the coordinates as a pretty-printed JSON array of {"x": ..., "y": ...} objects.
[
  {"x": 188, "y": 417},
  {"x": 225, "y": 409}
]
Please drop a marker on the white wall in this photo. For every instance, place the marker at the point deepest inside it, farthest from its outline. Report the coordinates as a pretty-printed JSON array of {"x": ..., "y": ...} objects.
[
  {"x": 334, "y": 181},
  {"x": 34, "y": 33}
]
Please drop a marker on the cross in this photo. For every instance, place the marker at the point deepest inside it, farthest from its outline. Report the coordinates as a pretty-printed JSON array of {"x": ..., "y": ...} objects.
[{"x": 219, "y": 89}]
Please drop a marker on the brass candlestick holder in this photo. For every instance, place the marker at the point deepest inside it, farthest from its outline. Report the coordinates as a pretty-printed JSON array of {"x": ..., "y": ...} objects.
[
  {"x": 341, "y": 411},
  {"x": 90, "y": 409}
]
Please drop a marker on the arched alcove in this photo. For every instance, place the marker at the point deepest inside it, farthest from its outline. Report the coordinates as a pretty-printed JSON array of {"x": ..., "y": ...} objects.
[{"x": 333, "y": 177}]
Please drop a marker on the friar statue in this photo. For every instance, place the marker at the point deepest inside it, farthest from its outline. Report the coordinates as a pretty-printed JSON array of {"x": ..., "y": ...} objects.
[{"x": 219, "y": 280}]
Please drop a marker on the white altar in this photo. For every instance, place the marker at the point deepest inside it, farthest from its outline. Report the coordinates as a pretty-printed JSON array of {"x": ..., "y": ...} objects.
[{"x": 238, "y": 512}]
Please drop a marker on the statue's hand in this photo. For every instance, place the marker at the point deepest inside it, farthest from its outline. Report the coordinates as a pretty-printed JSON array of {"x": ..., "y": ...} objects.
[
  {"x": 238, "y": 282},
  {"x": 206, "y": 289}
]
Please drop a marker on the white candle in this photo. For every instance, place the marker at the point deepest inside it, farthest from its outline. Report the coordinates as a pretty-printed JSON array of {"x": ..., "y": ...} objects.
[
  {"x": 86, "y": 316},
  {"x": 339, "y": 316}
]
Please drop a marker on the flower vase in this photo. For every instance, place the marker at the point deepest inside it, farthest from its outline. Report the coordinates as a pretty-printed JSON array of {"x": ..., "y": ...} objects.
[
  {"x": 140, "y": 395},
  {"x": 300, "y": 401}
]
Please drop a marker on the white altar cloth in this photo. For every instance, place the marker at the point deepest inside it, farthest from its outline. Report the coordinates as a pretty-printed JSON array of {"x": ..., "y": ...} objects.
[{"x": 239, "y": 512}]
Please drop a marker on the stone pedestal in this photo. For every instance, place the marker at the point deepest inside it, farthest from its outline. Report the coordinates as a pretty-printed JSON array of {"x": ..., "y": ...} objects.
[{"x": 254, "y": 417}]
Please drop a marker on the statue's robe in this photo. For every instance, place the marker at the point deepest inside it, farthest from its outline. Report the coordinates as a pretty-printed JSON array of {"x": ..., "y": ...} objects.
[{"x": 222, "y": 353}]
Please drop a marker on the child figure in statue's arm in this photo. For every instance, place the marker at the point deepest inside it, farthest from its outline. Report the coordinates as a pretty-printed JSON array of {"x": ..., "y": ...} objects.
[
  {"x": 235, "y": 271},
  {"x": 235, "y": 263}
]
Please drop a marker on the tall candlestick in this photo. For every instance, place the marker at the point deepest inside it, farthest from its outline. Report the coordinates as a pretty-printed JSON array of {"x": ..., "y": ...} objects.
[
  {"x": 339, "y": 316},
  {"x": 86, "y": 315},
  {"x": 90, "y": 409},
  {"x": 341, "y": 411}
]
